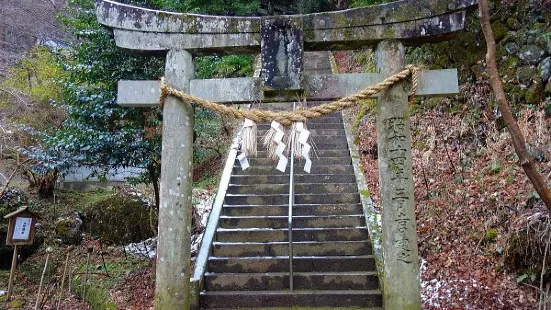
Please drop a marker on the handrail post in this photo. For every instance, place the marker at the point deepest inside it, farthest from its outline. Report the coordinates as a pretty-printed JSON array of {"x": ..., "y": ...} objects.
[{"x": 290, "y": 212}]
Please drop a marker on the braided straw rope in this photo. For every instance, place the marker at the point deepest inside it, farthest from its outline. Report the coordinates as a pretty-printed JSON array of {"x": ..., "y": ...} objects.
[{"x": 288, "y": 117}]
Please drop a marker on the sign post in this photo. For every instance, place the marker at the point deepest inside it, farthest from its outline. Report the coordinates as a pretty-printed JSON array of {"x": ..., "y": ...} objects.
[{"x": 21, "y": 229}]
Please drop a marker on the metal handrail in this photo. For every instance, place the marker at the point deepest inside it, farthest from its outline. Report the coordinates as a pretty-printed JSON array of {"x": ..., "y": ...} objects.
[
  {"x": 290, "y": 212},
  {"x": 214, "y": 216}
]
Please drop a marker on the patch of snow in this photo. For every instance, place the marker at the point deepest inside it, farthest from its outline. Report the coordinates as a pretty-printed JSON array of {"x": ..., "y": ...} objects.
[
  {"x": 144, "y": 249},
  {"x": 195, "y": 245},
  {"x": 202, "y": 201},
  {"x": 436, "y": 292}
]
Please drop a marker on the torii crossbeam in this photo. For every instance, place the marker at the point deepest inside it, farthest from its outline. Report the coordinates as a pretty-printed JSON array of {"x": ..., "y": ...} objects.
[{"x": 281, "y": 42}]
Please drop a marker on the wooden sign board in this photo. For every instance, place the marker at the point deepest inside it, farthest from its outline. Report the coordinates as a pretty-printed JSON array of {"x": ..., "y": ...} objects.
[{"x": 21, "y": 227}]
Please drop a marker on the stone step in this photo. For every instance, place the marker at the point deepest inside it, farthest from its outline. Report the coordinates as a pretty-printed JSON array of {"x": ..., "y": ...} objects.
[
  {"x": 264, "y": 161},
  {"x": 299, "y": 234},
  {"x": 314, "y": 123},
  {"x": 333, "y": 248},
  {"x": 359, "y": 280},
  {"x": 313, "y": 132},
  {"x": 323, "y": 69},
  {"x": 317, "y": 63},
  {"x": 330, "y": 144},
  {"x": 314, "y": 140},
  {"x": 299, "y": 178},
  {"x": 333, "y": 198},
  {"x": 268, "y": 165},
  {"x": 319, "y": 154},
  {"x": 303, "y": 188},
  {"x": 300, "y": 264},
  {"x": 298, "y": 209},
  {"x": 330, "y": 221},
  {"x": 311, "y": 125},
  {"x": 316, "y": 128},
  {"x": 320, "y": 143},
  {"x": 332, "y": 262},
  {"x": 336, "y": 116},
  {"x": 310, "y": 299},
  {"x": 316, "y": 169},
  {"x": 288, "y": 106}
]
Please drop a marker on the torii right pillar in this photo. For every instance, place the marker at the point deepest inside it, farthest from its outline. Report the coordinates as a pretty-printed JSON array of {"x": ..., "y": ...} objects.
[{"x": 401, "y": 280}]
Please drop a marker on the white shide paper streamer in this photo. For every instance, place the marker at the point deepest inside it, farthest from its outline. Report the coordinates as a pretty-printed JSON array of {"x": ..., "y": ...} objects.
[
  {"x": 304, "y": 134},
  {"x": 278, "y": 139},
  {"x": 243, "y": 161}
]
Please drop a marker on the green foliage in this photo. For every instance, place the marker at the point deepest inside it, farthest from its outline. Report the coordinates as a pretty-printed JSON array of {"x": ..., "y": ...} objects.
[
  {"x": 361, "y": 3},
  {"x": 522, "y": 278},
  {"x": 97, "y": 289},
  {"x": 314, "y": 6},
  {"x": 211, "y": 131},
  {"x": 36, "y": 75},
  {"x": 205, "y": 182},
  {"x": 16, "y": 304},
  {"x": 208, "y": 67},
  {"x": 367, "y": 107},
  {"x": 226, "y": 7},
  {"x": 491, "y": 235},
  {"x": 79, "y": 201},
  {"x": 119, "y": 219},
  {"x": 208, "y": 142},
  {"x": 547, "y": 109},
  {"x": 32, "y": 269},
  {"x": 495, "y": 167},
  {"x": 97, "y": 132},
  {"x": 11, "y": 200},
  {"x": 364, "y": 59},
  {"x": 99, "y": 299},
  {"x": 30, "y": 88},
  {"x": 214, "y": 7}
]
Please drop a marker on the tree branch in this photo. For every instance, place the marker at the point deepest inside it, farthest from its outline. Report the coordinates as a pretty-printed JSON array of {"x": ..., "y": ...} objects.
[
  {"x": 525, "y": 159},
  {"x": 8, "y": 180}
]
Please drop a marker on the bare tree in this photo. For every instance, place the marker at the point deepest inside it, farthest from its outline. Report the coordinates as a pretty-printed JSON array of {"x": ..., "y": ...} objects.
[
  {"x": 526, "y": 160},
  {"x": 24, "y": 23}
]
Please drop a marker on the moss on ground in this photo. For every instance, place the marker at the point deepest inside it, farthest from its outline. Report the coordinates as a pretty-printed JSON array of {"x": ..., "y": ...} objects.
[{"x": 103, "y": 278}]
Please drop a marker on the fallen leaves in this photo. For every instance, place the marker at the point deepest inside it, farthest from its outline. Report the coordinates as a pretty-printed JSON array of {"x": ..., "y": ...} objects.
[{"x": 465, "y": 185}]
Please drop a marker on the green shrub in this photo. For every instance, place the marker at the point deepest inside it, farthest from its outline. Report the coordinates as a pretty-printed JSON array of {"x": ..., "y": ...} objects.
[
  {"x": 97, "y": 296},
  {"x": 360, "y": 3},
  {"x": 119, "y": 219},
  {"x": 99, "y": 299},
  {"x": 491, "y": 235}
]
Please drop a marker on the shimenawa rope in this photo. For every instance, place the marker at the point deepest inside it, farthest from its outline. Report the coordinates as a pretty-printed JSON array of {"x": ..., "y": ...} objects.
[{"x": 288, "y": 117}]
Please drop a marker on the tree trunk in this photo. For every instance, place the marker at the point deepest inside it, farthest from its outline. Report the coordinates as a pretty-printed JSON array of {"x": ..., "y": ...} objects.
[
  {"x": 525, "y": 159},
  {"x": 154, "y": 176}
]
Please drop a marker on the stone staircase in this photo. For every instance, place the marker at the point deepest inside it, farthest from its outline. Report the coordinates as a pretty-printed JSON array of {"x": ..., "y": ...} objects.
[{"x": 333, "y": 265}]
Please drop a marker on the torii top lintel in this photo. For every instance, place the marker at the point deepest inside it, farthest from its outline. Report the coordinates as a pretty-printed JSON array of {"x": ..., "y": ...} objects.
[{"x": 411, "y": 21}]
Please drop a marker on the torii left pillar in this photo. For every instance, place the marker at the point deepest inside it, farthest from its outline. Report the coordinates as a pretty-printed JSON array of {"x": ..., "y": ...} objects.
[{"x": 173, "y": 244}]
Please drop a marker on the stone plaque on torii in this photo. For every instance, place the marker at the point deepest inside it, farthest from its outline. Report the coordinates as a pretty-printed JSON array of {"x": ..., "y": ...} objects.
[{"x": 281, "y": 42}]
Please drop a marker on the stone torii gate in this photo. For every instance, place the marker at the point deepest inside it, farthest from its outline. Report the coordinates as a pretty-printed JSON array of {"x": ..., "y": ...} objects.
[{"x": 281, "y": 41}]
